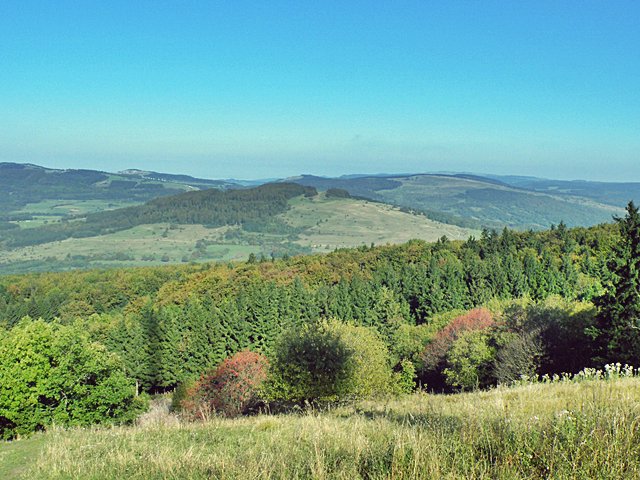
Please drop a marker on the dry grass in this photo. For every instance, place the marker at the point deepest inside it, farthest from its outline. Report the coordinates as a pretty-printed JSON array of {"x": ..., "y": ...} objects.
[
  {"x": 338, "y": 223},
  {"x": 585, "y": 430}
]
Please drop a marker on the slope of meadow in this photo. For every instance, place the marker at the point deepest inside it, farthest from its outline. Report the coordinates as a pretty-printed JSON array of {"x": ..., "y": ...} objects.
[
  {"x": 474, "y": 201},
  {"x": 317, "y": 224},
  {"x": 586, "y": 429},
  {"x": 329, "y": 223}
]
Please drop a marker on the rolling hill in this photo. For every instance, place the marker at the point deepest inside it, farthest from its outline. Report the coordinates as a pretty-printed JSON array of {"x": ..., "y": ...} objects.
[
  {"x": 474, "y": 201},
  {"x": 36, "y": 195},
  {"x": 59, "y": 219},
  {"x": 610, "y": 193},
  {"x": 270, "y": 220},
  {"x": 32, "y": 196}
]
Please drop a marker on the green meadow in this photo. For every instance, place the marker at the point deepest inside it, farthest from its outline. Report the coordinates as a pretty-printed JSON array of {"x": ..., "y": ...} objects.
[
  {"x": 564, "y": 430},
  {"x": 324, "y": 224}
]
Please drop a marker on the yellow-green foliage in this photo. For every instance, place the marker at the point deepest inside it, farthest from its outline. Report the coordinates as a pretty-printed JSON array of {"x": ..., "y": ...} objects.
[
  {"x": 52, "y": 374},
  {"x": 467, "y": 359},
  {"x": 368, "y": 366},
  {"x": 565, "y": 430},
  {"x": 329, "y": 360}
]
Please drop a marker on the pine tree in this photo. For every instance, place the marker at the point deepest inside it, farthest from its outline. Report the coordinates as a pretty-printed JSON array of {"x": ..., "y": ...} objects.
[{"x": 619, "y": 316}]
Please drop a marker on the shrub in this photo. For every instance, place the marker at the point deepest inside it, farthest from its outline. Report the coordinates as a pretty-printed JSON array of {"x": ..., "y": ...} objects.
[
  {"x": 231, "y": 389},
  {"x": 469, "y": 360},
  {"x": 409, "y": 342},
  {"x": 368, "y": 371},
  {"x": 309, "y": 364},
  {"x": 560, "y": 328},
  {"x": 328, "y": 361},
  {"x": 52, "y": 373},
  {"x": 181, "y": 394},
  {"x": 518, "y": 357},
  {"x": 435, "y": 352},
  {"x": 406, "y": 377}
]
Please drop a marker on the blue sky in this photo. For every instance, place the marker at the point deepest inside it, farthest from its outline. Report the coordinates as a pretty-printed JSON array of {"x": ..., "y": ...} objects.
[{"x": 270, "y": 89}]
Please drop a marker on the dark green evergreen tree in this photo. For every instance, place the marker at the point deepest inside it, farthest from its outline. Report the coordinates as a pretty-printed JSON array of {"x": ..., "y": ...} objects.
[{"x": 619, "y": 315}]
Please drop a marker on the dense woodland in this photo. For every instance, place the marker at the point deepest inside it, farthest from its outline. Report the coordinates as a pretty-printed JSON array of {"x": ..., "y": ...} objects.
[{"x": 447, "y": 316}]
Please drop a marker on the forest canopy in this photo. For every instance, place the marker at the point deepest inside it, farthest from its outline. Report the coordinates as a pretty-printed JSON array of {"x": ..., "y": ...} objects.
[{"x": 450, "y": 315}]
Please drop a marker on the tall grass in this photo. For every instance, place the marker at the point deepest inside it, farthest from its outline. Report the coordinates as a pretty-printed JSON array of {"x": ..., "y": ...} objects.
[{"x": 563, "y": 429}]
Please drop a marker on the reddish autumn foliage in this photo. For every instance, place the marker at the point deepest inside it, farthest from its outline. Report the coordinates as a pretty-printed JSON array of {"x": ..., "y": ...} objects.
[
  {"x": 435, "y": 352},
  {"x": 230, "y": 389}
]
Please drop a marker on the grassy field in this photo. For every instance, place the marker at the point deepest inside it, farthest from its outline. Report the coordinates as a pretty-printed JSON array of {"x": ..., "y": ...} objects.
[
  {"x": 565, "y": 430},
  {"x": 335, "y": 223},
  {"x": 326, "y": 224},
  {"x": 145, "y": 245},
  {"x": 50, "y": 211}
]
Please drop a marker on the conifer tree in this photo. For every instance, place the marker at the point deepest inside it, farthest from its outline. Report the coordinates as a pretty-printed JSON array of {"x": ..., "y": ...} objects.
[{"x": 619, "y": 316}]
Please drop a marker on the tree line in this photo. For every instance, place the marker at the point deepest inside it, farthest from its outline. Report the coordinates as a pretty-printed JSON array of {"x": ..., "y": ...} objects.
[{"x": 172, "y": 322}]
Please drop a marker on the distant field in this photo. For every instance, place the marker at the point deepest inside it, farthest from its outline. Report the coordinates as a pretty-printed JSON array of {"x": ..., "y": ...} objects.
[
  {"x": 74, "y": 207},
  {"x": 585, "y": 430},
  {"x": 49, "y": 211},
  {"x": 142, "y": 245},
  {"x": 325, "y": 224},
  {"x": 331, "y": 223}
]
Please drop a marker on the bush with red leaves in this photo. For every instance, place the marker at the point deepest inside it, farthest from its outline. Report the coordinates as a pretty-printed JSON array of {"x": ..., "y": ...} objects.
[
  {"x": 435, "y": 352},
  {"x": 231, "y": 389}
]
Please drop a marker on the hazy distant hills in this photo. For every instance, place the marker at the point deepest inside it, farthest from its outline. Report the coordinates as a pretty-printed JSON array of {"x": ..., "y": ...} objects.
[
  {"x": 57, "y": 219},
  {"x": 475, "y": 201},
  {"x": 38, "y": 195},
  {"x": 611, "y": 193},
  {"x": 146, "y": 177},
  {"x": 22, "y": 184}
]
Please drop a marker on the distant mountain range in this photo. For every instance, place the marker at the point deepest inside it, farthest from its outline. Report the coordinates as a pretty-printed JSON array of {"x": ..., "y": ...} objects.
[{"x": 464, "y": 199}]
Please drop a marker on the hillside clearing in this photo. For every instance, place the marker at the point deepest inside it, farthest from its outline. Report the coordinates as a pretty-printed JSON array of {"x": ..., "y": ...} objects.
[{"x": 335, "y": 223}]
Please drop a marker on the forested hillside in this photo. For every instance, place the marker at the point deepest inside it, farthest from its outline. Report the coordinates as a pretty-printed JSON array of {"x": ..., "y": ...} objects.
[
  {"x": 287, "y": 226},
  {"x": 252, "y": 207},
  {"x": 216, "y": 310},
  {"x": 22, "y": 184},
  {"x": 33, "y": 196}
]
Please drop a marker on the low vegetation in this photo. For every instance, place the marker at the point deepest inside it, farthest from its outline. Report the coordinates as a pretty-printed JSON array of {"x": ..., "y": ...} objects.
[{"x": 562, "y": 429}]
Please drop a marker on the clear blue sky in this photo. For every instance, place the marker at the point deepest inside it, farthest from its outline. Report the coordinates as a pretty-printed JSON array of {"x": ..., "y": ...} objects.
[{"x": 269, "y": 88}]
